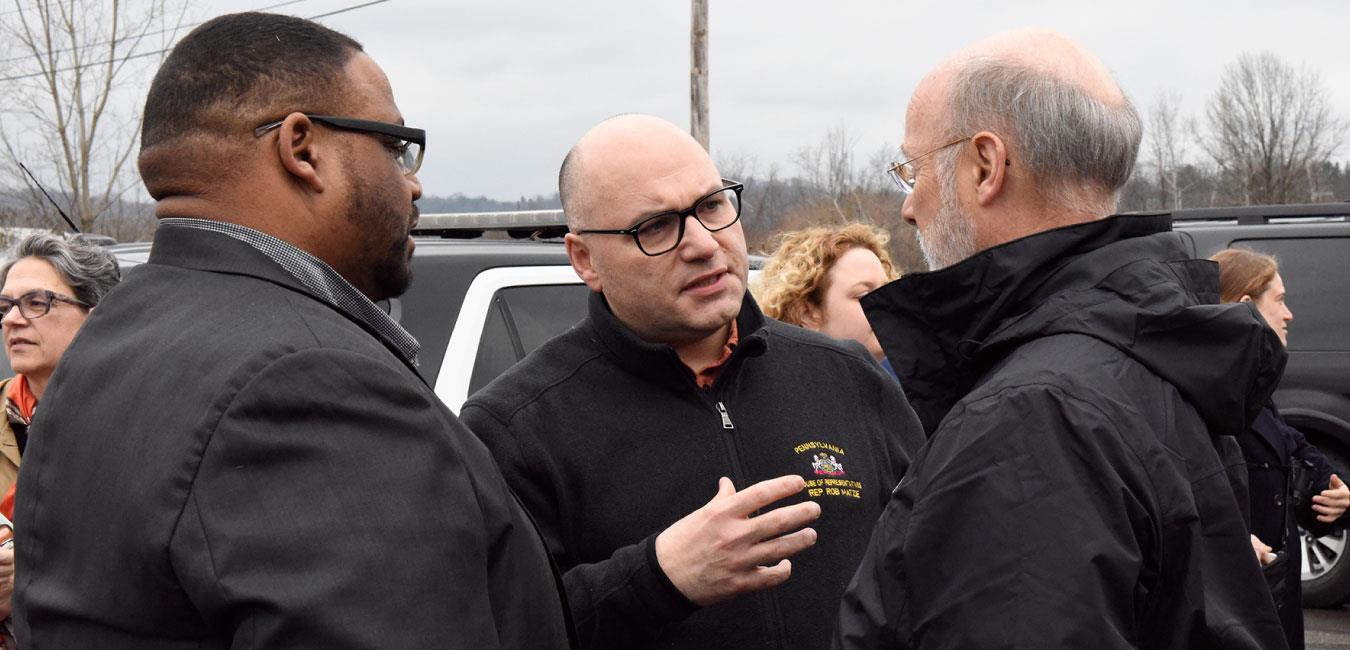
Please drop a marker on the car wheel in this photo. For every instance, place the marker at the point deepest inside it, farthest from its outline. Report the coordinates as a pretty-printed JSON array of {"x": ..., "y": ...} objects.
[{"x": 1326, "y": 569}]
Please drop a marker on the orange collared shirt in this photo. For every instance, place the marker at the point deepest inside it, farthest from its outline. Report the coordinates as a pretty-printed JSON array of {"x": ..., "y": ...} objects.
[{"x": 707, "y": 376}]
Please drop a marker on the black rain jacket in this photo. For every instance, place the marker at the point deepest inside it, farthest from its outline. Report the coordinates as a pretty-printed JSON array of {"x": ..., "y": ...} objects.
[{"x": 1080, "y": 390}]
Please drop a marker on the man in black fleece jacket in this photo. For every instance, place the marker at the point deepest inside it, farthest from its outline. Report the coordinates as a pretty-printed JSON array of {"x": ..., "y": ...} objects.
[{"x": 628, "y": 436}]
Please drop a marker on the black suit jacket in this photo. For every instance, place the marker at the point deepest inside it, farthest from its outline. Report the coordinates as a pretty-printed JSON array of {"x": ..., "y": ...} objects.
[{"x": 224, "y": 460}]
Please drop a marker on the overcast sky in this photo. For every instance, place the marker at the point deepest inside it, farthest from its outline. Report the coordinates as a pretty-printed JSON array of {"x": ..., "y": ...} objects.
[{"x": 505, "y": 87}]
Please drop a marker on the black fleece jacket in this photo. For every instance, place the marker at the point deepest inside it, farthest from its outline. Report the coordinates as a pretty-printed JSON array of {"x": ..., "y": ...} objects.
[
  {"x": 1082, "y": 394},
  {"x": 608, "y": 440}
]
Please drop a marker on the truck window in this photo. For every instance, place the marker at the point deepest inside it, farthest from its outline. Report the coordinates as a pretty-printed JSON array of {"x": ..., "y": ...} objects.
[
  {"x": 1316, "y": 289},
  {"x": 521, "y": 319}
]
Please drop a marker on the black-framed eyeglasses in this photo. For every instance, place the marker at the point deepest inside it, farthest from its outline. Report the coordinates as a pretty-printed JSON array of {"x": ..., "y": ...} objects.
[
  {"x": 903, "y": 173},
  {"x": 36, "y": 304},
  {"x": 661, "y": 233},
  {"x": 406, "y": 143}
]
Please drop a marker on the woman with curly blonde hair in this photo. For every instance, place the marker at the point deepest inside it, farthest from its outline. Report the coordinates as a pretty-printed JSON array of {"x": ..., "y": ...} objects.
[{"x": 817, "y": 276}]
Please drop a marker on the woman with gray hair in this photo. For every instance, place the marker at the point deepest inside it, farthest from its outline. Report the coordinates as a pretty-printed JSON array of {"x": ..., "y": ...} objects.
[{"x": 49, "y": 286}]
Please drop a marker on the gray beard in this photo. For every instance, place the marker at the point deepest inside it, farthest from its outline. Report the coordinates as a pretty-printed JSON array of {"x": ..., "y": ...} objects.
[{"x": 952, "y": 235}]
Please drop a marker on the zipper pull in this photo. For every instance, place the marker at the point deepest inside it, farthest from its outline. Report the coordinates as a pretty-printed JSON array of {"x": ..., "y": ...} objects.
[{"x": 726, "y": 418}]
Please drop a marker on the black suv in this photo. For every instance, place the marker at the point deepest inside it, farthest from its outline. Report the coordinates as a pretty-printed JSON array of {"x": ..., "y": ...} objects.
[{"x": 1312, "y": 243}]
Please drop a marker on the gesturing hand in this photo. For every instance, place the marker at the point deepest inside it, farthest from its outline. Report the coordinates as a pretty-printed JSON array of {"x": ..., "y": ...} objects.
[
  {"x": 719, "y": 550},
  {"x": 1332, "y": 502}
]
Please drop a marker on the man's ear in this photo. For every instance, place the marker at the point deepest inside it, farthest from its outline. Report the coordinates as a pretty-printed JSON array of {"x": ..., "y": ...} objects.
[
  {"x": 580, "y": 256},
  {"x": 1245, "y": 299},
  {"x": 298, "y": 149},
  {"x": 991, "y": 166}
]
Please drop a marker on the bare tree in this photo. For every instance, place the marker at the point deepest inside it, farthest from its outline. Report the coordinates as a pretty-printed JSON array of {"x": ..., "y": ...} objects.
[
  {"x": 828, "y": 168},
  {"x": 76, "y": 69},
  {"x": 1168, "y": 140},
  {"x": 1269, "y": 125}
]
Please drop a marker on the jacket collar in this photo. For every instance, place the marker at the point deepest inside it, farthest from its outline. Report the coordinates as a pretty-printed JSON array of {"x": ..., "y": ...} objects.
[
  {"x": 203, "y": 250},
  {"x": 1125, "y": 280},
  {"x": 657, "y": 362},
  {"x": 1269, "y": 429}
]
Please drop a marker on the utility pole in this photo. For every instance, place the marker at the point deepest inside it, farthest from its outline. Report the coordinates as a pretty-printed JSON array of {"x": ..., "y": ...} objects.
[{"x": 698, "y": 73}]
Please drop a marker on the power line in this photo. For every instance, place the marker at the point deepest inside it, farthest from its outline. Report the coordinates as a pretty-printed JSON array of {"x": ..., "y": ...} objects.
[
  {"x": 139, "y": 36},
  {"x": 345, "y": 10},
  {"x": 156, "y": 52}
]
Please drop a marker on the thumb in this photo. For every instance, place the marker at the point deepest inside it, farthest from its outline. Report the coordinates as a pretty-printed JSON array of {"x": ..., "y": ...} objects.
[{"x": 1336, "y": 482}]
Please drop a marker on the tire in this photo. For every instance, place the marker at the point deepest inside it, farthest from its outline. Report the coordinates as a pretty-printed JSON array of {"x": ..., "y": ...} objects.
[{"x": 1326, "y": 563}]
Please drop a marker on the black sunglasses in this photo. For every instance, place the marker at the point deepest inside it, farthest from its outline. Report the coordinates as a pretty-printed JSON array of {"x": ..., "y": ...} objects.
[{"x": 412, "y": 143}]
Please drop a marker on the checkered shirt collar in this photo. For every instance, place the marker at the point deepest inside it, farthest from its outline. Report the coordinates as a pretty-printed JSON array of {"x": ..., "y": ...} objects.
[{"x": 317, "y": 276}]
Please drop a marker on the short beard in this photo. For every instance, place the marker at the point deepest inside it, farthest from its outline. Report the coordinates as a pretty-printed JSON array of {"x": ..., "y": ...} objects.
[
  {"x": 387, "y": 262},
  {"x": 952, "y": 233}
]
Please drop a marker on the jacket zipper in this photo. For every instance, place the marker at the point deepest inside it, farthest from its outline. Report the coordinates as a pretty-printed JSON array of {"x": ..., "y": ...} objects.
[
  {"x": 726, "y": 417},
  {"x": 729, "y": 442},
  {"x": 770, "y": 600}
]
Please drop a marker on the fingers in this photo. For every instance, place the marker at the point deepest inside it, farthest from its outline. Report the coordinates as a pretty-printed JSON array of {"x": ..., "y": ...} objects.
[
  {"x": 1336, "y": 482},
  {"x": 779, "y": 548},
  {"x": 783, "y": 520},
  {"x": 725, "y": 488},
  {"x": 763, "y": 493},
  {"x": 764, "y": 577}
]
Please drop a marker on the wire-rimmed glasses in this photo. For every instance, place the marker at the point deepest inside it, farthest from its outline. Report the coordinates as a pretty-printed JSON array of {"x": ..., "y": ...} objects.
[{"x": 903, "y": 173}]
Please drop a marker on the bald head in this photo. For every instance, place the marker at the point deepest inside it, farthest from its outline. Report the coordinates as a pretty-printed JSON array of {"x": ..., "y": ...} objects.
[
  {"x": 1054, "y": 55},
  {"x": 1064, "y": 117},
  {"x": 619, "y": 155}
]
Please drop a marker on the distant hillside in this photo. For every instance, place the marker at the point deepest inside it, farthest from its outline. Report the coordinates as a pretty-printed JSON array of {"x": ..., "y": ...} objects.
[{"x": 462, "y": 203}]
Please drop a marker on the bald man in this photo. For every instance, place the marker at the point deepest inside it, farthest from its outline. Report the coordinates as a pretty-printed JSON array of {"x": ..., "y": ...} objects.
[
  {"x": 675, "y": 446},
  {"x": 1079, "y": 388}
]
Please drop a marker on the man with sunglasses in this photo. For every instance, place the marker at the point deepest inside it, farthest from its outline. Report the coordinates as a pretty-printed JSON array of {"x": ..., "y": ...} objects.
[
  {"x": 1079, "y": 387},
  {"x": 240, "y": 451},
  {"x": 677, "y": 447}
]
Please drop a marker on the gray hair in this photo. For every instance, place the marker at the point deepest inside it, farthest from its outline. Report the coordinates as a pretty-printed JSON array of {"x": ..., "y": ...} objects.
[
  {"x": 90, "y": 270},
  {"x": 1080, "y": 149}
]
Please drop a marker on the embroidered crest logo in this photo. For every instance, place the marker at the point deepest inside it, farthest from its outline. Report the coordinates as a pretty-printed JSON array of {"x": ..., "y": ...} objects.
[{"x": 827, "y": 465}]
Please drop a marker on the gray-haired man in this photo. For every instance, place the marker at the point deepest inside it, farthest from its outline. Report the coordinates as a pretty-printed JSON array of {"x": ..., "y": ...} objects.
[{"x": 1064, "y": 364}]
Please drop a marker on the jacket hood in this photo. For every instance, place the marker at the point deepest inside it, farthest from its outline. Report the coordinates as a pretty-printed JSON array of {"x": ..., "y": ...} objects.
[{"x": 1126, "y": 280}]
